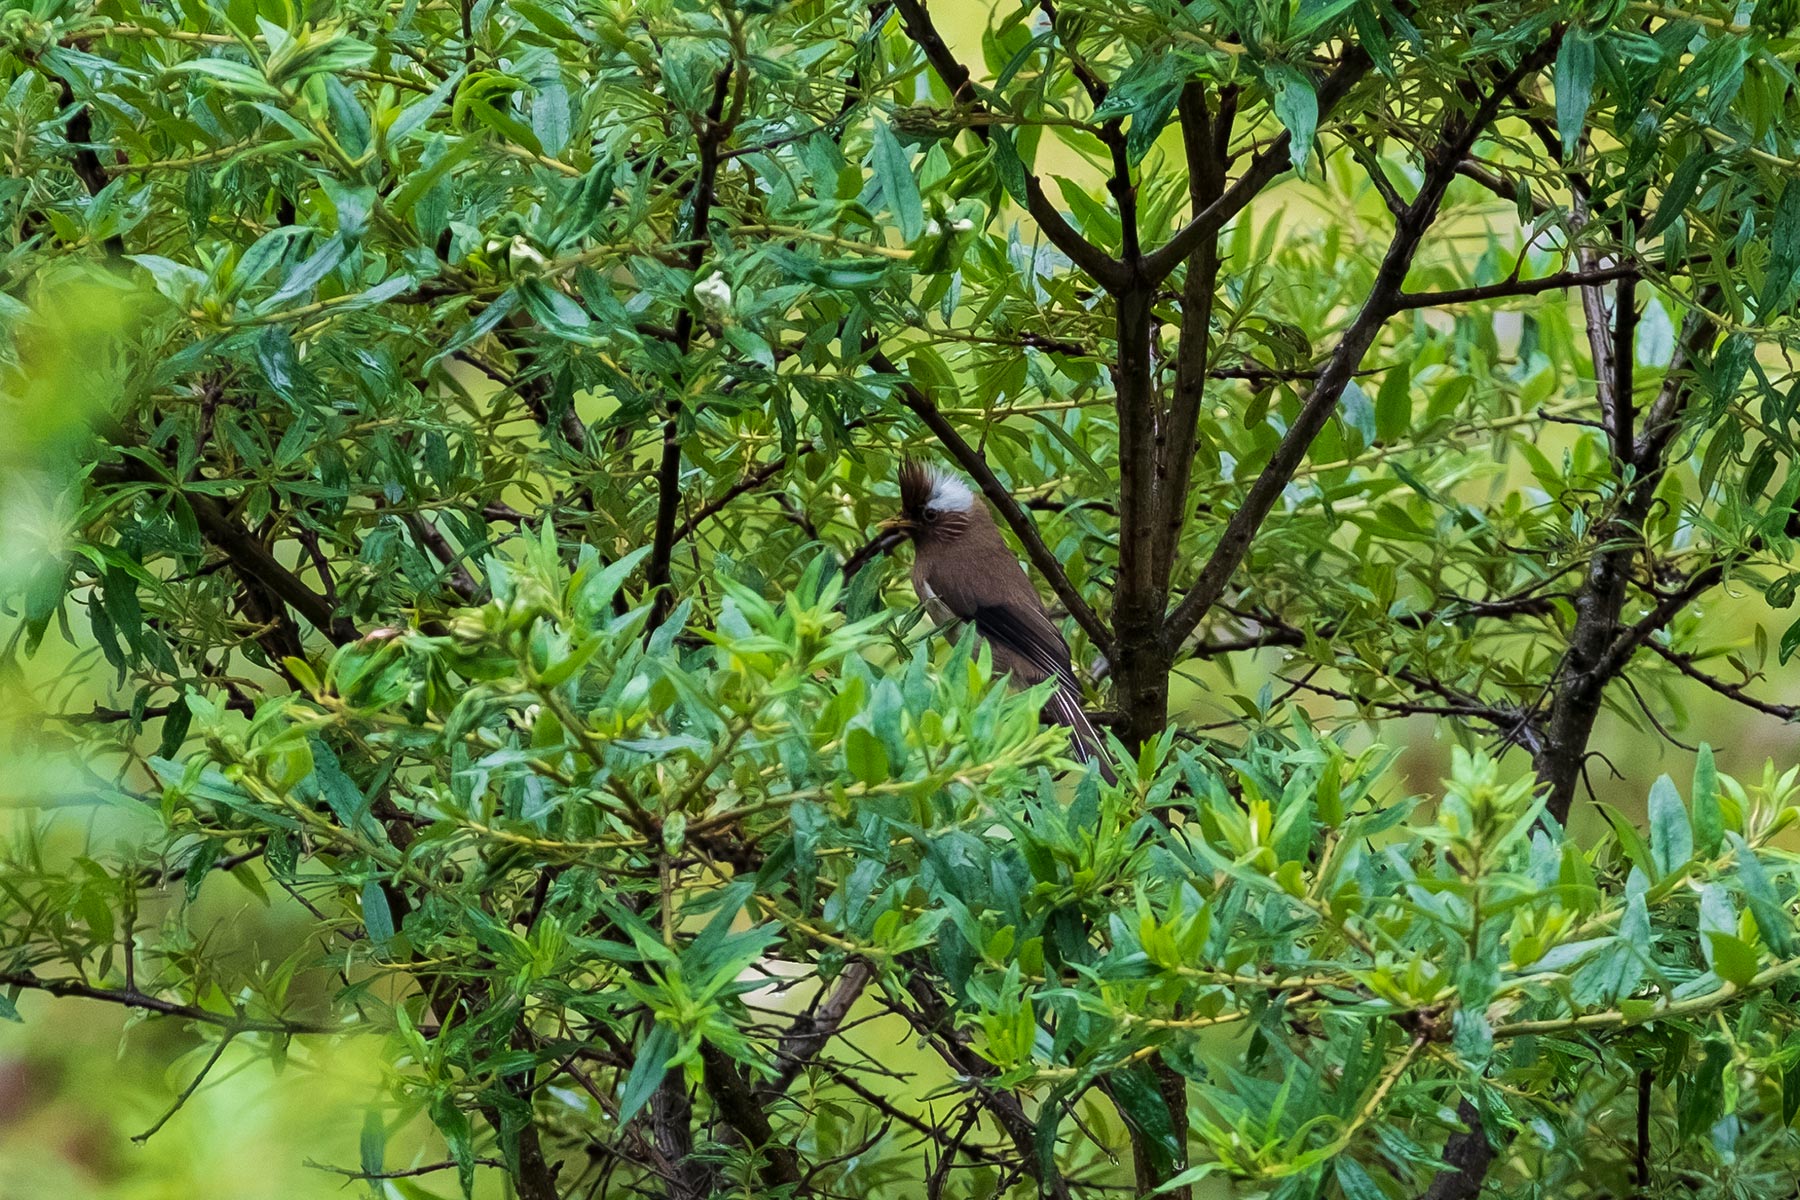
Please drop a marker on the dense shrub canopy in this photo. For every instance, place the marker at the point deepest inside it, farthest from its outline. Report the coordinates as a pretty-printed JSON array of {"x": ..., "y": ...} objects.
[{"x": 457, "y": 434}]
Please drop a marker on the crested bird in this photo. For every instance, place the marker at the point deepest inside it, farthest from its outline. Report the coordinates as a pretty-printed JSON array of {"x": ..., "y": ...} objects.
[{"x": 963, "y": 569}]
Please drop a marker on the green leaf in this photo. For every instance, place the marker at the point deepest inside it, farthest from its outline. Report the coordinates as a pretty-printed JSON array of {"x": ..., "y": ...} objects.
[
  {"x": 1733, "y": 958},
  {"x": 865, "y": 756},
  {"x": 1355, "y": 1182},
  {"x": 1630, "y": 841},
  {"x": 1772, "y": 918},
  {"x": 1143, "y": 1107},
  {"x": 1709, "y": 819},
  {"x": 893, "y": 167},
  {"x": 453, "y": 1123},
  {"x": 1784, "y": 254},
  {"x": 414, "y": 115},
  {"x": 550, "y": 115},
  {"x": 1010, "y": 167},
  {"x": 8, "y": 1010},
  {"x": 1574, "y": 88},
  {"x": 1790, "y": 641},
  {"x": 1393, "y": 405},
  {"x": 1671, "y": 836},
  {"x": 1677, "y": 192},
  {"x": 340, "y": 791},
  {"x": 378, "y": 919},
  {"x": 374, "y": 1142},
  {"x": 1297, "y": 108},
  {"x": 555, "y": 311},
  {"x": 230, "y": 76},
  {"x": 647, "y": 1071},
  {"x": 301, "y": 280}
]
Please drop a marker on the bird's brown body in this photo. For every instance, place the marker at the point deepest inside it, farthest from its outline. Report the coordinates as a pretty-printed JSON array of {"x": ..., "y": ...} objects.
[{"x": 964, "y": 570}]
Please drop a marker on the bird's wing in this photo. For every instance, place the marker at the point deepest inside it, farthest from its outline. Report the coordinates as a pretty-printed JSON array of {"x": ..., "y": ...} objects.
[{"x": 1029, "y": 634}]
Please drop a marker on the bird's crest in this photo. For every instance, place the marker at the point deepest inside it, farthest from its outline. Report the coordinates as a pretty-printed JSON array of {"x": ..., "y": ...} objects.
[{"x": 923, "y": 486}]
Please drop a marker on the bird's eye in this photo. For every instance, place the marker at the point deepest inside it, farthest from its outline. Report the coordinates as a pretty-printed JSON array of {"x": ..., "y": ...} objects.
[{"x": 931, "y": 514}]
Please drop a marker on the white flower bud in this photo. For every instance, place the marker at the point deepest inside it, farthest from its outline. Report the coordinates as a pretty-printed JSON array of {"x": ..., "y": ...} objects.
[
  {"x": 523, "y": 255},
  {"x": 932, "y": 229},
  {"x": 714, "y": 294},
  {"x": 961, "y": 225}
]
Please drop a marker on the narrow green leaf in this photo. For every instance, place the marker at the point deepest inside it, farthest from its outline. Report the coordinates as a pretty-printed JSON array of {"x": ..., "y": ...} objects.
[
  {"x": 1709, "y": 819},
  {"x": 1772, "y": 918},
  {"x": 374, "y": 1142},
  {"x": 1393, "y": 404},
  {"x": 1784, "y": 254},
  {"x": 1297, "y": 108},
  {"x": 647, "y": 1071},
  {"x": 1009, "y": 166},
  {"x": 893, "y": 167},
  {"x": 1671, "y": 836},
  {"x": 378, "y": 919},
  {"x": 414, "y": 115},
  {"x": 453, "y": 1123},
  {"x": 1677, "y": 193},
  {"x": 1574, "y": 89},
  {"x": 1141, "y": 1103}
]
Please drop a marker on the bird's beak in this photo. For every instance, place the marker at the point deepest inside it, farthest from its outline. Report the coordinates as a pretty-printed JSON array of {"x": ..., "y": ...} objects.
[{"x": 896, "y": 525}]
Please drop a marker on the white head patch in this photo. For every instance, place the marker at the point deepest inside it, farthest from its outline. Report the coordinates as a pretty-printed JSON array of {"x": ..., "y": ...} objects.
[{"x": 950, "y": 493}]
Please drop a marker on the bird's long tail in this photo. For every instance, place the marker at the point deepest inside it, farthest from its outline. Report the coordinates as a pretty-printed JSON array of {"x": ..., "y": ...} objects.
[{"x": 1064, "y": 708}]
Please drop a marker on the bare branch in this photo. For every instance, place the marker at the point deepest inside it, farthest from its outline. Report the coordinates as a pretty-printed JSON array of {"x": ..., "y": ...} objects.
[
  {"x": 1734, "y": 691},
  {"x": 1518, "y": 287},
  {"x": 132, "y": 998}
]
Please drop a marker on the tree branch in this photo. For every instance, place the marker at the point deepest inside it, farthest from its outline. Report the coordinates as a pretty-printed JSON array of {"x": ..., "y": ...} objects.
[
  {"x": 1517, "y": 287},
  {"x": 253, "y": 561},
  {"x": 1273, "y": 160},
  {"x": 1410, "y": 228},
  {"x": 713, "y": 131},
  {"x": 132, "y": 998},
  {"x": 807, "y": 1036},
  {"x": 1733, "y": 691},
  {"x": 1102, "y": 267}
]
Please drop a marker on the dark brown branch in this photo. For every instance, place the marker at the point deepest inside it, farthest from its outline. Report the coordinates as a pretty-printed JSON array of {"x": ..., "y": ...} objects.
[
  {"x": 932, "y": 1019},
  {"x": 971, "y": 461},
  {"x": 1270, "y": 162},
  {"x": 1517, "y": 287},
  {"x": 253, "y": 561},
  {"x": 1468, "y": 1156},
  {"x": 1733, "y": 691},
  {"x": 433, "y": 540},
  {"x": 1470, "y": 169},
  {"x": 407, "y": 1172},
  {"x": 132, "y": 998},
  {"x": 188, "y": 1091},
  {"x": 1104, "y": 270},
  {"x": 744, "y": 1112},
  {"x": 871, "y": 550},
  {"x": 807, "y": 1036},
  {"x": 1598, "y": 648},
  {"x": 713, "y": 130},
  {"x": 1207, "y": 143},
  {"x": 1241, "y": 529}
]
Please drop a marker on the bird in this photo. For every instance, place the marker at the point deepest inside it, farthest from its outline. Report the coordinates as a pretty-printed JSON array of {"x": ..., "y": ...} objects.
[{"x": 963, "y": 569}]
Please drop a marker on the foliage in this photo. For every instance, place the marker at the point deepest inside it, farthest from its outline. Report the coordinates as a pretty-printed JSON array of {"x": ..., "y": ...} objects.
[{"x": 460, "y": 411}]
